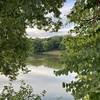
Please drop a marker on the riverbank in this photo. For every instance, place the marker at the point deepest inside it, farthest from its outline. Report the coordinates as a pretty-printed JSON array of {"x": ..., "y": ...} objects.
[
  {"x": 51, "y": 59},
  {"x": 54, "y": 52}
]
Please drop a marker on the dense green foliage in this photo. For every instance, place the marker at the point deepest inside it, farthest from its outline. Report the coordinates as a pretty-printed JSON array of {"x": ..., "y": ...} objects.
[
  {"x": 15, "y": 16},
  {"x": 83, "y": 50},
  {"x": 38, "y": 46}
]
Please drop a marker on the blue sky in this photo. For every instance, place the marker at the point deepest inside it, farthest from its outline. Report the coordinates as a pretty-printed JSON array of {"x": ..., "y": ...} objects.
[{"x": 35, "y": 33}]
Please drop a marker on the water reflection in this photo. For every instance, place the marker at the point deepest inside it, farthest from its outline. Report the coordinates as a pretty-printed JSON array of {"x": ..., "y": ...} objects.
[
  {"x": 52, "y": 61},
  {"x": 41, "y": 78}
]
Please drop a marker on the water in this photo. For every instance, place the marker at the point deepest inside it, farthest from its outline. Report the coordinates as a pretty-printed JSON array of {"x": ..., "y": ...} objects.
[{"x": 41, "y": 78}]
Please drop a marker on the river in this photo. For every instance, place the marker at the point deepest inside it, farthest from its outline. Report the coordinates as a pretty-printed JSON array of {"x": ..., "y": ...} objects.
[{"x": 42, "y": 77}]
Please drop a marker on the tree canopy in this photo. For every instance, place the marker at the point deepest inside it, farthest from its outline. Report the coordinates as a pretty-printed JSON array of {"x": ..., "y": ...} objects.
[
  {"x": 38, "y": 46},
  {"x": 15, "y": 16},
  {"x": 83, "y": 50}
]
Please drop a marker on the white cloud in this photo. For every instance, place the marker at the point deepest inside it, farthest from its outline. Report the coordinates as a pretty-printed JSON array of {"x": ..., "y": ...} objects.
[{"x": 35, "y": 33}]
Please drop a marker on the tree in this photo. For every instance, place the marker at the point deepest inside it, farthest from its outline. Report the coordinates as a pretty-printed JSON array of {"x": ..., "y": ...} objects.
[
  {"x": 37, "y": 46},
  {"x": 25, "y": 93},
  {"x": 83, "y": 50},
  {"x": 46, "y": 45},
  {"x": 15, "y": 16},
  {"x": 53, "y": 43}
]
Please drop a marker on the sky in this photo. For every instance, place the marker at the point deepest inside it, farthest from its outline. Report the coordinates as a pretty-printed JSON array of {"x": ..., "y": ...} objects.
[{"x": 35, "y": 33}]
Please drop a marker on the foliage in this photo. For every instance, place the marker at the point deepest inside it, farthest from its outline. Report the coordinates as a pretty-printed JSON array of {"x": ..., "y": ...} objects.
[
  {"x": 15, "y": 16},
  {"x": 83, "y": 50},
  {"x": 25, "y": 93},
  {"x": 39, "y": 46},
  {"x": 53, "y": 43}
]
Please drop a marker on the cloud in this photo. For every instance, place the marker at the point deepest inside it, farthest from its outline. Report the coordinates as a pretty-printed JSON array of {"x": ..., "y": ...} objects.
[
  {"x": 35, "y": 33},
  {"x": 67, "y": 7}
]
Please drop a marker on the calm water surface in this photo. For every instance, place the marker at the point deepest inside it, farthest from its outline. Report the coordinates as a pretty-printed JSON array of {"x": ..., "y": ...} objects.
[{"x": 41, "y": 78}]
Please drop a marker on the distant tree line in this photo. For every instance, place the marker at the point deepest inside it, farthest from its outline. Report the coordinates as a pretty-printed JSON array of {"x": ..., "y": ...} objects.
[{"x": 48, "y": 44}]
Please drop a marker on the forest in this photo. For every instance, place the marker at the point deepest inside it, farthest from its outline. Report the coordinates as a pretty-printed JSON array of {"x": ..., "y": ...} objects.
[{"x": 38, "y": 46}]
